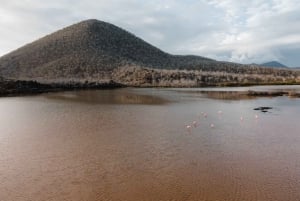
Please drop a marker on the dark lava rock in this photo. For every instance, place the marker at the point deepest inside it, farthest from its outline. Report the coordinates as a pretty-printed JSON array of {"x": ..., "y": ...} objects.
[
  {"x": 22, "y": 87},
  {"x": 263, "y": 109}
]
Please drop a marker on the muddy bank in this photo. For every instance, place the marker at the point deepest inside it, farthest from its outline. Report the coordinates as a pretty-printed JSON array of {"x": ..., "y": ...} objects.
[
  {"x": 243, "y": 95},
  {"x": 11, "y": 87},
  {"x": 273, "y": 93}
]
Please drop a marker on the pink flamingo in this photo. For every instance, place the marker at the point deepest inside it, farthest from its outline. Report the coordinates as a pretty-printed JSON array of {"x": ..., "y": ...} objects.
[{"x": 188, "y": 128}]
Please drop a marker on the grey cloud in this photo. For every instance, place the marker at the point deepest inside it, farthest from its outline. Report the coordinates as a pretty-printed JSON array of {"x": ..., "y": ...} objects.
[{"x": 232, "y": 30}]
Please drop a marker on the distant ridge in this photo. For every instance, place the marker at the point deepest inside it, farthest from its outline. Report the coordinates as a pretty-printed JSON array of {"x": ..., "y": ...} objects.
[{"x": 274, "y": 64}]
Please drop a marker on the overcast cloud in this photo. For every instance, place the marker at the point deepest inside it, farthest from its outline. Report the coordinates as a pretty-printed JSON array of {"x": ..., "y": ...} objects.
[{"x": 230, "y": 30}]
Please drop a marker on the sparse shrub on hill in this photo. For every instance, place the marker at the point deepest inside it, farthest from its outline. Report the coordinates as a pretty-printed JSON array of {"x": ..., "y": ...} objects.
[{"x": 96, "y": 51}]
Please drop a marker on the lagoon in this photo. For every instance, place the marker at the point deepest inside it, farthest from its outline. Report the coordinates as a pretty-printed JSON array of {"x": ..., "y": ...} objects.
[{"x": 132, "y": 144}]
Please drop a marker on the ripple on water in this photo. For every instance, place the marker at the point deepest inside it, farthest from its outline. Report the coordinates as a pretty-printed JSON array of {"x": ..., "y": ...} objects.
[{"x": 106, "y": 145}]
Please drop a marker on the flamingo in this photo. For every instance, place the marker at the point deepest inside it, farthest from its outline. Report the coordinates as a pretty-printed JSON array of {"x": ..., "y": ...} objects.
[
  {"x": 242, "y": 118},
  {"x": 188, "y": 128},
  {"x": 212, "y": 125},
  {"x": 220, "y": 113}
]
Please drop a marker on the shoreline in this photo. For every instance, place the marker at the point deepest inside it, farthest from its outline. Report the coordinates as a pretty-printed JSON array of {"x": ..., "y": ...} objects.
[{"x": 14, "y": 88}]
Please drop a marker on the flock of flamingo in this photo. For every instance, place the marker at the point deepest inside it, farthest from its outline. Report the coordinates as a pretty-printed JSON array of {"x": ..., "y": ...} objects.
[{"x": 195, "y": 123}]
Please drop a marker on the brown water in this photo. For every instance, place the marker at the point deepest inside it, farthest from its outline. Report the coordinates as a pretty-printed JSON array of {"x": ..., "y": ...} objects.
[{"x": 132, "y": 145}]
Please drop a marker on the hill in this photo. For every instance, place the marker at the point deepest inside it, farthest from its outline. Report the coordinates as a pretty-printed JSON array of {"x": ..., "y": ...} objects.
[
  {"x": 273, "y": 64},
  {"x": 88, "y": 49},
  {"x": 96, "y": 53}
]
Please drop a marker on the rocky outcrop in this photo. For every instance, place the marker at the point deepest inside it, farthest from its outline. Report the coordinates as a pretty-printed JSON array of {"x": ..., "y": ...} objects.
[
  {"x": 21, "y": 87},
  {"x": 263, "y": 109}
]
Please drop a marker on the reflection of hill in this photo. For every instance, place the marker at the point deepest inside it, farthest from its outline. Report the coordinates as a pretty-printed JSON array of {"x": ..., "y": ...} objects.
[
  {"x": 107, "y": 97},
  {"x": 227, "y": 95}
]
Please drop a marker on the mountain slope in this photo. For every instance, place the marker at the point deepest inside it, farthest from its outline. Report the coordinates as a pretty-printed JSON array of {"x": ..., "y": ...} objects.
[
  {"x": 93, "y": 54},
  {"x": 89, "y": 49}
]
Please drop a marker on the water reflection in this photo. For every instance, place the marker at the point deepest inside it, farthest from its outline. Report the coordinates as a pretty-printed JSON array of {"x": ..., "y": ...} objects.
[
  {"x": 117, "y": 96},
  {"x": 241, "y": 93},
  {"x": 53, "y": 148},
  {"x": 227, "y": 95}
]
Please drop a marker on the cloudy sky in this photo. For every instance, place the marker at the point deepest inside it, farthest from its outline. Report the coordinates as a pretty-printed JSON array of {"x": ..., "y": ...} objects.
[{"x": 230, "y": 30}]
